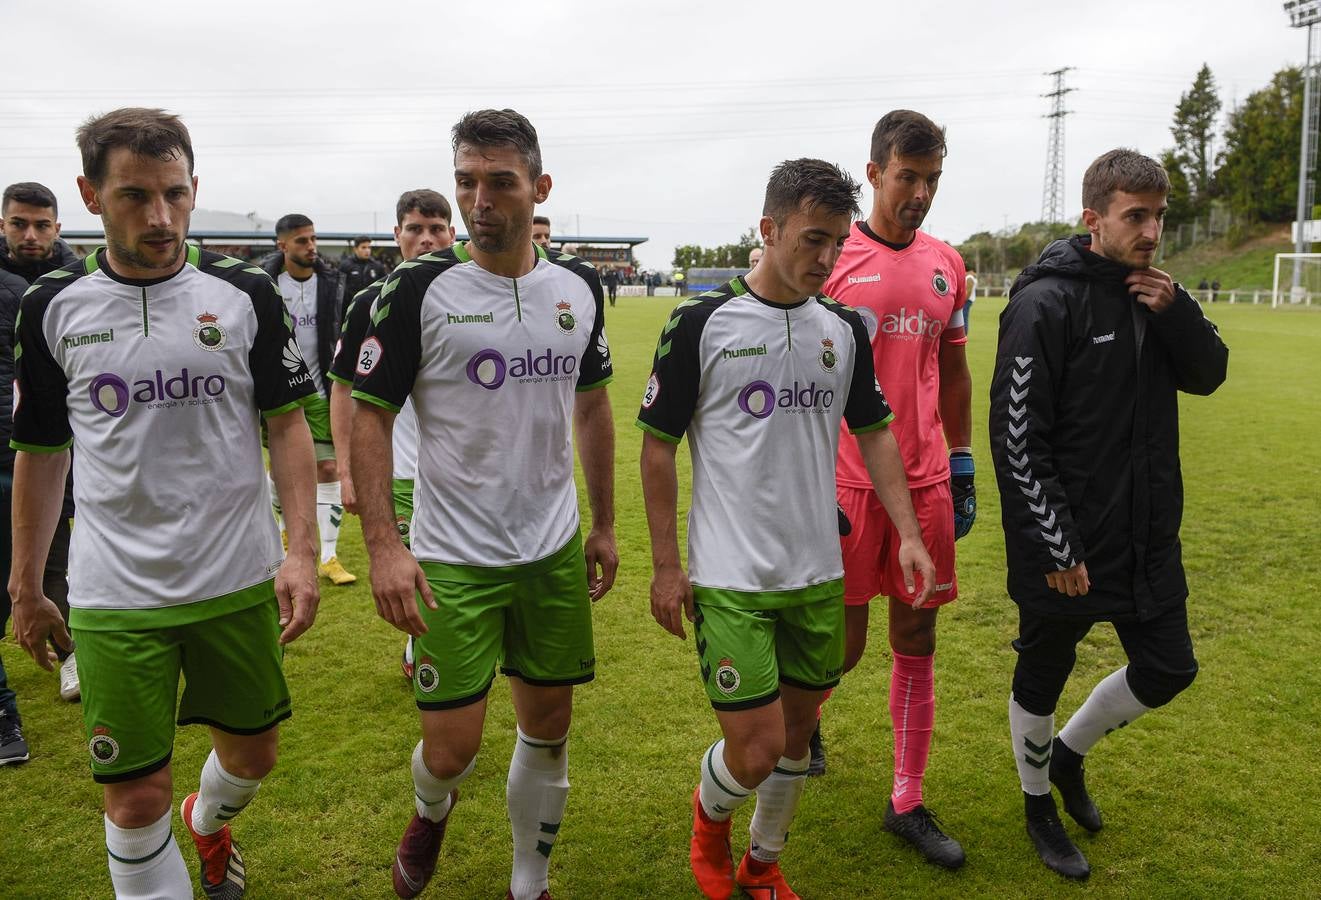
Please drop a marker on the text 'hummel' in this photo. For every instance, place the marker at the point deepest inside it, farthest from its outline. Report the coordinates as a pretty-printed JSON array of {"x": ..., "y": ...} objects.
[
  {"x": 82, "y": 340},
  {"x": 744, "y": 351}
]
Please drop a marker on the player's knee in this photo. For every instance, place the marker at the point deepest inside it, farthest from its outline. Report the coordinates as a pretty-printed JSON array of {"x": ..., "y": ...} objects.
[
  {"x": 913, "y": 638},
  {"x": 254, "y": 763},
  {"x": 1155, "y": 688},
  {"x": 449, "y": 760},
  {"x": 1038, "y": 684},
  {"x": 853, "y": 652},
  {"x": 752, "y": 763},
  {"x": 138, "y": 803}
]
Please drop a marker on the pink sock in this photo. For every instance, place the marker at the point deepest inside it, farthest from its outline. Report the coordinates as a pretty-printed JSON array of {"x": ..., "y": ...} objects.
[{"x": 912, "y": 710}]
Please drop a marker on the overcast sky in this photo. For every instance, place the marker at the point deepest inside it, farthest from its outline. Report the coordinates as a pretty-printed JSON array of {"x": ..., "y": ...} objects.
[{"x": 657, "y": 119}]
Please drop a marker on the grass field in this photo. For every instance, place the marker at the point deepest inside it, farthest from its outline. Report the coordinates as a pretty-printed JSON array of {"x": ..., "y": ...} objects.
[{"x": 1217, "y": 795}]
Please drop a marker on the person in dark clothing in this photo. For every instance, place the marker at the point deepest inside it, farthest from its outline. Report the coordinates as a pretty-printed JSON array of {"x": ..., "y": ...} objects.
[
  {"x": 32, "y": 245},
  {"x": 1095, "y": 345},
  {"x": 610, "y": 278},
  {"x": 359, "y": 268},
  {"x": 32, "y": 248},
  {"x": 13, "y": 747}
]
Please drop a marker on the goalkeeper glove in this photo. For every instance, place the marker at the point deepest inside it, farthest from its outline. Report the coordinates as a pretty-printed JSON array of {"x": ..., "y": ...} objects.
[{"x": 964, "y": 493}]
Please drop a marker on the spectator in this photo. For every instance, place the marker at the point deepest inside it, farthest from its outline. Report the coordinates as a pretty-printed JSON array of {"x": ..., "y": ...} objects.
[
  {"x": 32, "y": 245},
  {"x": 1215, "y": 287},
  {"x": 360, "y": 268},
  {"x": 541, "y": 232}
]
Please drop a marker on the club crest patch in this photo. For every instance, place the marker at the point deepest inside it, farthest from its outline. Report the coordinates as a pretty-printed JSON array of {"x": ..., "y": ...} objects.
[
  {"x": 829, "y": 359},
  {"x": 564, "y": 319},
  {"x": 428, "y": 679},
  {"x": 727, "y": 677},
  {"x": 939, "y": 283},
  {"x": 102, "y": 746},
  {"x": 208, "y": 334}
]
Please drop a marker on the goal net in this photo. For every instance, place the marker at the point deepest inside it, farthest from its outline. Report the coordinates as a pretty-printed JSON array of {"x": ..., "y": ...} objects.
[{"x": 1297, "y": 279}]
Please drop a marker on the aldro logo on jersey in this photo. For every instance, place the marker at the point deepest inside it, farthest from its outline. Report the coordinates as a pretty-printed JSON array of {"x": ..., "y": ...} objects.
[
  {"x": 490, "y": 368},
  {"x": 112, "y": 395},
  {"x": 760, "y": 398},
  {"x": 564, "y": 319},
  {"x": 911, "y": 324},
  {"x": 208, "y": 334}
]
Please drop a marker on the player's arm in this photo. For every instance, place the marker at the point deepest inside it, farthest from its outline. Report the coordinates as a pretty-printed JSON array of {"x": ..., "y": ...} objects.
[
  {"x": 341, "y": 430},
  {"x": 38, "y": 498},
  {"x": 671, "y": 593},
  {"x": 956, "y": 416},
  {"x": 293, "y": 468},
  {"x": 1197, "y": 355},
  {"x": 880, "y": 454},
  {"x": 594, "y": 432}
]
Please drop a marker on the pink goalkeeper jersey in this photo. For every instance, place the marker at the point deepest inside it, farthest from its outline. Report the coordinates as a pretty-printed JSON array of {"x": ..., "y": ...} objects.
[{"x": 911, "y": 301}]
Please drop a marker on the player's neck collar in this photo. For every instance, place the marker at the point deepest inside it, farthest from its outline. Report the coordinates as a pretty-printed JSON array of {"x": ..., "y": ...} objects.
[{"x": 867, "y": 230}]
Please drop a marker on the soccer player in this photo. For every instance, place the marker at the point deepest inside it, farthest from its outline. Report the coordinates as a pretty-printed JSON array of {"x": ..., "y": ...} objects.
[
  {"x": 541, "y": 232},
  {"x": 314, "y": 296},
  {"x": 759, "y": 374},
  {"x": 423, "y": 218},
  {"x": 502, "y": 348},
  {"x": 1095, "y": 346},
  {"x": 908, "y": 287},
  {"x": 156, "y": 359}
]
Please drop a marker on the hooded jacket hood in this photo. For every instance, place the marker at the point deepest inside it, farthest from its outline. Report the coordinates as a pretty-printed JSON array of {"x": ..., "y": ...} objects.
[{"x": 1071, "y": 258}]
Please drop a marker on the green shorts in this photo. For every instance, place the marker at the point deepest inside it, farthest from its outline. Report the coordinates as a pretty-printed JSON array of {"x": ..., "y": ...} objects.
[
  {"x": 317, "y": 412},
  {"x": 233, "y": 680},
  {"x": 534, "y": 621},
  {"x": 745, "y": 653},
  {"x": 403, "y": 508}
]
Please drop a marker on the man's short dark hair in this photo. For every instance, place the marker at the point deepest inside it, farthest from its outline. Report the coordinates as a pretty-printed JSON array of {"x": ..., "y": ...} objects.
[
  {"x": 541, "y": 220},
  {"x": 500, "y": 128},
  {"x": 431, "y": 204},
  {"x": 291, "y": 223},
  {"x": 809, "y": 184},
  {"x": 902, "y": 132},
  {"x": 146, "y": 132},
  {"x": 30, "y": 193},
  {"x": 1122, "y": 170},
  {"x": 361, "y": 239}
]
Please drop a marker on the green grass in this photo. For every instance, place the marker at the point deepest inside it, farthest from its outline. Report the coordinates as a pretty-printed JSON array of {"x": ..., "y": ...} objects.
[
  {"x": 1216, "y": 795},
  {"x": 1250, "y": 265}
]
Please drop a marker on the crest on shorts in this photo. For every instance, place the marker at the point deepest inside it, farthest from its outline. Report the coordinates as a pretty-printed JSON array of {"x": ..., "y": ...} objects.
[
  {"x": 829, "y": 358},
  {"x": 939, "y": 283},
  {"x": 427, "y": 676},
  {"x": 102, "y": 746},
  {"x": 564, "y": 319},
  {"x": 401, "y": 523},
  {"x": 208, "y": 334},
  {"x": 727, "y": 677}
]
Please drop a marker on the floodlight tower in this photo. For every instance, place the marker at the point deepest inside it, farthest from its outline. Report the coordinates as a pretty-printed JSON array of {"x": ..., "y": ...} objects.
[
  {"x": 1052, "y": 192},
  {"x": 1306, "y": 14}
]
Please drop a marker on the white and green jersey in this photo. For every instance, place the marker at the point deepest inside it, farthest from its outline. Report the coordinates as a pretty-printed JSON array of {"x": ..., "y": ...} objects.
[
  {"x": 158, "y": 386},
  {"x": 300, "y": 303},
  {"x": 760, "y": 389},
  {"x": 492, "y": 365}
]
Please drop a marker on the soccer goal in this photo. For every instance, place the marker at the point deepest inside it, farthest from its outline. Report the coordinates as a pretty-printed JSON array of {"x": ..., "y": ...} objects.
[{"x": 1302, "y": 289}]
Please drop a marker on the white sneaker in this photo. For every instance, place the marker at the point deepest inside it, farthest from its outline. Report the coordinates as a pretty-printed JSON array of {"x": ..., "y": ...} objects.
[{"x": 69, "y": 689}]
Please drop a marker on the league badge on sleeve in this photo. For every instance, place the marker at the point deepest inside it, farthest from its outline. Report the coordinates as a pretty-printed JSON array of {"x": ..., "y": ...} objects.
[{"x": 652, "y": 392}]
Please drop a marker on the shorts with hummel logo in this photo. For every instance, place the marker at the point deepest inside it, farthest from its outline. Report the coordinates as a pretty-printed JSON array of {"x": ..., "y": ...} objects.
[
  {"x": 534, "y": 621},
  {"x": 232, "y": 667},
  {"x": 746, "y": 651}
]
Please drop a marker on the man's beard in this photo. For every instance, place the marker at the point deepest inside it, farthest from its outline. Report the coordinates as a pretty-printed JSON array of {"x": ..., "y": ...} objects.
[{"x": 141, "y": 261}]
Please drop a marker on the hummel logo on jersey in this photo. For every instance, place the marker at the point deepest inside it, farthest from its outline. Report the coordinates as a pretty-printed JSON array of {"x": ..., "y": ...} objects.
[
  {"x": 864, "y": 279},
  {"x": 917, "y": 324},
  {"x": 476, "y": 319},
  {"x": 759, "y": 399},
  {"x": 742, "y": 352},
  {"x": 1103, "y": 338},
  {"x": 489, "y": 368},
  {"x": 82, "y": 340}
]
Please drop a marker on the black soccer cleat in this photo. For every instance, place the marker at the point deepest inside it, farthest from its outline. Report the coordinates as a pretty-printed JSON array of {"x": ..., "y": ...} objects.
[
  {"x": 1053, "y": 845},
  {"x": 13, "y": 748},
  {"x": 1066, "y": 773},
  {"x": 816, "y": 748},
  {"x": 920, "y": 828}
]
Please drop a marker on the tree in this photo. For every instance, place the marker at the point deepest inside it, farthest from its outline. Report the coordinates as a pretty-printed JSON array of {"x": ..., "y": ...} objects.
[
  {"x": 1258, "y": 171},
  {"x": 1181, "y": 208},
  {"x": 1194, "y": 135},
  {"x": 729, "y": 256}
]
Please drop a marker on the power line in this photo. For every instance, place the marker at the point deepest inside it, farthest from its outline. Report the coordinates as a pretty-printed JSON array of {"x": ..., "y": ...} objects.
[{"x": 1052, "y": 192}]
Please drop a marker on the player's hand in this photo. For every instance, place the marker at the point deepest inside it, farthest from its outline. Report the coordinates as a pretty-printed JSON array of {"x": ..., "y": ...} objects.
[
  {"x": 671, "y": 599},
  {"x": 913, "y": 557},
  {"x": 961, "y": 471},
  {"x": 348, "y": 497},
  {"x": 397, "y": 581},
  {"x": 37, "y": 619},
  {"x": 297, "y": 595},
  {"x": 1072, "y": 581},
  {"x": 1152, "y": 288},
  {"x": 602, "y": 559}
]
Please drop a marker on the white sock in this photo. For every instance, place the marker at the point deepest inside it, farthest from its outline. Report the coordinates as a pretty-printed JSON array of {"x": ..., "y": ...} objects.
[
  {"x": 777, "y": 801},
  {"x": 145, "y": 863},
  {"x": 1032, "y": 736},
  {"x": 537, "y": 790},
  {"x": 329, "y": 513},
  {"x": 220, "y": 797},
  {"x": 1111, "y": 705},
  {"x": 720, "y": 793},
  {"x": 432, "y": 794},
  {"x": 275, "y": 502}
]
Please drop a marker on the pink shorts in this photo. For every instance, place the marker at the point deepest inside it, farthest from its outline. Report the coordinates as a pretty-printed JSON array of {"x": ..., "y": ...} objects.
[{"x": 871, "y": 550}]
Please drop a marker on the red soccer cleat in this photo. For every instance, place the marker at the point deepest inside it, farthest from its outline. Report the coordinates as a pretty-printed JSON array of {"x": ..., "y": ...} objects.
[
  {"x": 223, "y": 874},
  {"x": 763, "y": 881},
  {"x": 709, "y": 855},
  {"x": 415, "y": 860}
]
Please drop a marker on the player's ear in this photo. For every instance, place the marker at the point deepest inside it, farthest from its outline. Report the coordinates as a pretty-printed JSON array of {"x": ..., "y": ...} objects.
[
  {"x": 87, "y": 191},
  {"x": 874, "y": 175},
  {"x": 1091, "y": 219},
  {"x": 767, "y": 229},
  {"x": 543, "y": 187}
]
